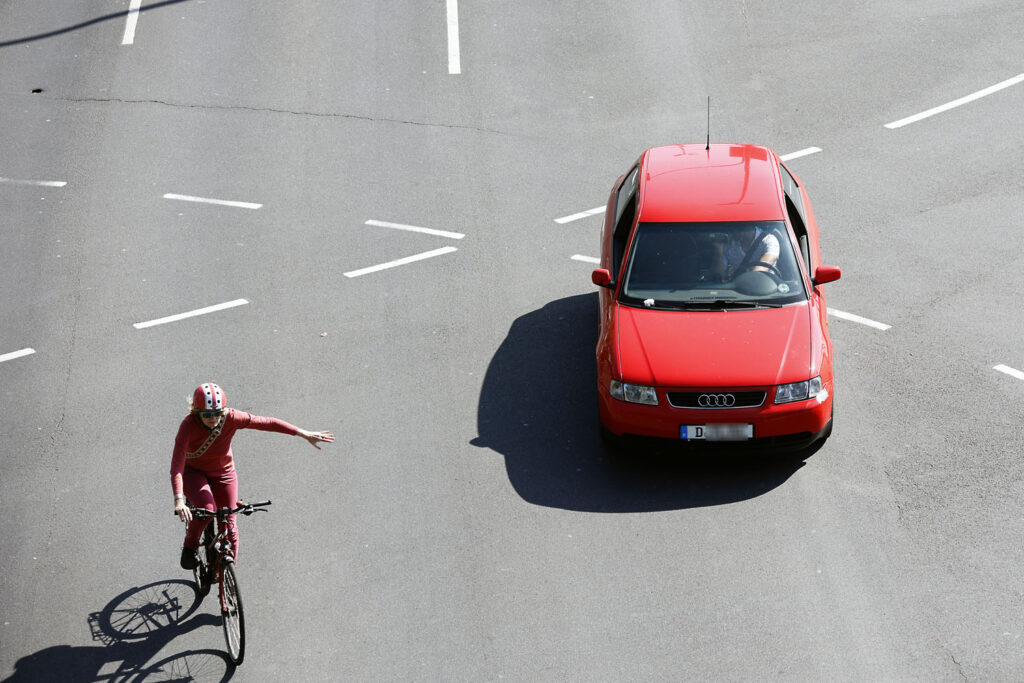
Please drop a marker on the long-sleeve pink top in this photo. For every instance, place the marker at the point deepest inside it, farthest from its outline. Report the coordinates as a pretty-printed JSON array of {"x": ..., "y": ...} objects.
[{"x": 218, "y": 457}]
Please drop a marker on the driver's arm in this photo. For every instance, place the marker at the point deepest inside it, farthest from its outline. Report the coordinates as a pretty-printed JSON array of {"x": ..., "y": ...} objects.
[{"x": 770, "y": 254}]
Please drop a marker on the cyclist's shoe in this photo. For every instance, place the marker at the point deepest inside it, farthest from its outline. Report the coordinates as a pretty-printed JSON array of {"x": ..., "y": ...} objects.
[{"x": 189, "y": 560}]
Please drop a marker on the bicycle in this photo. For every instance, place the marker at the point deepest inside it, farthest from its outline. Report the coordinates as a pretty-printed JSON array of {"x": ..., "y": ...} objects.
[{"x": 217, "y": 562}]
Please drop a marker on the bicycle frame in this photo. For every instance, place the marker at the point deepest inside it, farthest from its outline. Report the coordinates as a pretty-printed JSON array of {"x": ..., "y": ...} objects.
[
  {"x": 216, "y": 544},
  {"x": 213, "y": 545},
  {"x": 218, "y": 548}
]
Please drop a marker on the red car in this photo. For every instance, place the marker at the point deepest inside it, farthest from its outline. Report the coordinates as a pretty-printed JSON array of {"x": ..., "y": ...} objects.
[{"x": 713, "y": 318}]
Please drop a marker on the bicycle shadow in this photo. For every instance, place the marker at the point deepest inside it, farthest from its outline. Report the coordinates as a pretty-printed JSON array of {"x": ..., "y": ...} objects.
[
  {"x": 538, "y": 408},
  {"x": 132, "y": 629}
]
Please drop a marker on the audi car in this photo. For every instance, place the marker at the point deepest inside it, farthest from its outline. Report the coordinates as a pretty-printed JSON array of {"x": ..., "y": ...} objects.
[{"x": 713, "y": 320}]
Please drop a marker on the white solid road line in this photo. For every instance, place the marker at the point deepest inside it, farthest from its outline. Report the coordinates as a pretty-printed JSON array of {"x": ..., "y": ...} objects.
[
  {"x": 857, "y": 319},
  {"x": 400, "y": 262},
  {"x": 800, "y": 153},
  {"x": 1009, "y": 371},
  {"x": 133, "y": 19},
  {"x": 205, "y": 200},
  {"x": 585, "y": 259},
  {"x": 956, "y": 103},
  {"x": 37, "y": 183},
  {"x": 414, "y": 228},
  {"x": 191, "y": 314},
  {"x": 581, "y": 214},
  {"x": 454, "y": 59},
  {"x": 16, "y": 354}
]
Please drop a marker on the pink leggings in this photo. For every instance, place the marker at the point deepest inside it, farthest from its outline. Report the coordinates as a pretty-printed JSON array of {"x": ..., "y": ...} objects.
[{"x": 210, "y": 491}]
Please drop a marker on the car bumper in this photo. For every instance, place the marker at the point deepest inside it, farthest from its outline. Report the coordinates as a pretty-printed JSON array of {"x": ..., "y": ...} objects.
[{"x": 788, "y": 425}]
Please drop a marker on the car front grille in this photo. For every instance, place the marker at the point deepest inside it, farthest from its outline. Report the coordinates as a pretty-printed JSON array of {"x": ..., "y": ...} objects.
[{"x": 716, "y": 400}]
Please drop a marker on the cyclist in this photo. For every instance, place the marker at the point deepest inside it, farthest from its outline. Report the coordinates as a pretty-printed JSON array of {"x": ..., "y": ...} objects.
[{"x": 202, "y": 465}]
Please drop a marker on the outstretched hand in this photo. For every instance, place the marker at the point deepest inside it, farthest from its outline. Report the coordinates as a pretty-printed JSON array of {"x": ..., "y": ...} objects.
[{"x": 316, "y": 437}]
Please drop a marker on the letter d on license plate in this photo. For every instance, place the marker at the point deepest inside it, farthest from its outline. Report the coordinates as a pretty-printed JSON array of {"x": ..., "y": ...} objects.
[{"x": 717, "y": 432}]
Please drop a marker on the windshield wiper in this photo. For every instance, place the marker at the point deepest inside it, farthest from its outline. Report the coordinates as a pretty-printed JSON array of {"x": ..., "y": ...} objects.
[
  {"x": 763, "y": 304},
  {"x": 718, "y": 303},
  {"x": 729, "y": 303}
]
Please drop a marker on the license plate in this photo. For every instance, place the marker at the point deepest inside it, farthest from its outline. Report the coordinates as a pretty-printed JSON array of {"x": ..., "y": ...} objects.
[{"x": 717, "y": 432}]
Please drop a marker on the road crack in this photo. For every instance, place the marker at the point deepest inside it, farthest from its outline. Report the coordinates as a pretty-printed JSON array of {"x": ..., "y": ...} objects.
[
  {"x": 959, "y": 668},
  {"x": 289, "y": 112}
]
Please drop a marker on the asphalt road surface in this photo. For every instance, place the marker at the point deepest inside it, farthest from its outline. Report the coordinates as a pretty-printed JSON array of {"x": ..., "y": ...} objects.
[{"x": 467, "y": 525}]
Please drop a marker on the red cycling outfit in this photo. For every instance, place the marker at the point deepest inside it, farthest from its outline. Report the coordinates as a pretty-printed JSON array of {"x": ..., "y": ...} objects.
[{"x": 207, "y": 477}]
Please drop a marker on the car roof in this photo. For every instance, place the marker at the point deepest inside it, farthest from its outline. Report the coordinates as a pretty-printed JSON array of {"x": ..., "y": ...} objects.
[{"x": 727, "y": 182}]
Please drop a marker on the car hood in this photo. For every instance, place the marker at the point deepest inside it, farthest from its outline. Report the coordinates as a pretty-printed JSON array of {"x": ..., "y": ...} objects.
[{"x": 733, "y": 348}]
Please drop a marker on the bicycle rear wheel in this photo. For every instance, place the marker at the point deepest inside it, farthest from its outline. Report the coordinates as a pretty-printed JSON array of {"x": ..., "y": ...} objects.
[{"x": 231, "y": 612}]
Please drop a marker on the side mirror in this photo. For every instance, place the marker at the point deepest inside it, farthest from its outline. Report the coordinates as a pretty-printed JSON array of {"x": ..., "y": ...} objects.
[
  {"x": 823, "y": 274},
  {"x": 601, "y": 277}
]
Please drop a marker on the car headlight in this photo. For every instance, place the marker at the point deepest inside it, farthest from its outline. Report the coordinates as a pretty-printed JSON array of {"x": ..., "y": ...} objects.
[
  {"x": 798, "y": 391},
  {"x": 633, "y": 393}
]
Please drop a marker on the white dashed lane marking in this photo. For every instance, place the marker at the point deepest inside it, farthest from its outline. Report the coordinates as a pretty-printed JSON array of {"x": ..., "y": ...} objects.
[
  {"x": 858, "y": 319},
  {"x": 130, "y": 24},
  {"x": 956, "y": 103},
  {"x": 581, "y": 214},
  {"x": 454, "y": 57},
  {"x": 1007, "y": 370},
  {"x": 407, "y": 259},
  {"x": 400, "y": 262},
  {"x": 206, "y": 200},
  {"x": 190, "y": 314},
  {"x": 800, "y": 153},
  {"x": 36, "y": 183},
  {"x": 585, "y": 259},
  {"x": 16, "y": 354},
  {"x": 414, "y": 228}
]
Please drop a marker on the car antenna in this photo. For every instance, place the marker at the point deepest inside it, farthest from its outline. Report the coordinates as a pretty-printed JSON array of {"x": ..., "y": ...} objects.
[{"x": 708, "y": 147}]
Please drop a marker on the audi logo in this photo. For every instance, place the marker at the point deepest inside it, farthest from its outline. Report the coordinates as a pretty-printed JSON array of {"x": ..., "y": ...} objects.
[{"x": 716, "y": 400}]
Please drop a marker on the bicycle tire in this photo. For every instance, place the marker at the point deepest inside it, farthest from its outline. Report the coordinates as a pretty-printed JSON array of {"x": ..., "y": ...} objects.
[{"x": 232, "y": 615}]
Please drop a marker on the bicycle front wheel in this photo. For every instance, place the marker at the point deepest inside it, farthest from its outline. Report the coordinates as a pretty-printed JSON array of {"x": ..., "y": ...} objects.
[{"x": 231, "y": 613}]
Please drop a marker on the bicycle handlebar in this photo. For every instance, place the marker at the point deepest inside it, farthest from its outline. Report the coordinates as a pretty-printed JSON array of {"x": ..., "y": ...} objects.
[{"x": 243, "y": 508}]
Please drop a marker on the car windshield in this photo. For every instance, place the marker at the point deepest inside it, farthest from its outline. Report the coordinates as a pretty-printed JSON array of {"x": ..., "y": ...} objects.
[{"x": 712, "y": 266}]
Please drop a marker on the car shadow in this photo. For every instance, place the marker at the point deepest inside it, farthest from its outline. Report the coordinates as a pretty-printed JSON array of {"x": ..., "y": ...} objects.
[
  {"x": 538, "y": 408},
  {"x": 131, "y": 630},
  {"x": 75, "y": 27}
]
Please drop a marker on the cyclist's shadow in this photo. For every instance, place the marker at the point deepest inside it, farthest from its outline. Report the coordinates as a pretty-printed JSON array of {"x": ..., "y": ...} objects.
[{"x": 132, "y": 629}]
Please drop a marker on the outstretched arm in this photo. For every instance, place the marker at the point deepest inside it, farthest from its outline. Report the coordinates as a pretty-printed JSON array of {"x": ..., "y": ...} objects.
[{"x": 272, "y": 424}]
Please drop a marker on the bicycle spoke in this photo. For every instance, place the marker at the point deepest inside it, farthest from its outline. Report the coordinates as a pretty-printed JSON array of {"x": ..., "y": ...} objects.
[{"x": 231, "y": 613}]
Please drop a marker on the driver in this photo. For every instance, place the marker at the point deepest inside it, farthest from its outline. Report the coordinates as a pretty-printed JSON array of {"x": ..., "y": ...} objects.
[{"x": 748, "y": 248}]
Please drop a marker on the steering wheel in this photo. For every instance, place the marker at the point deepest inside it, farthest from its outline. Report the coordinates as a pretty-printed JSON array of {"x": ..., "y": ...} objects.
[{"x": 769, "y": 266}]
